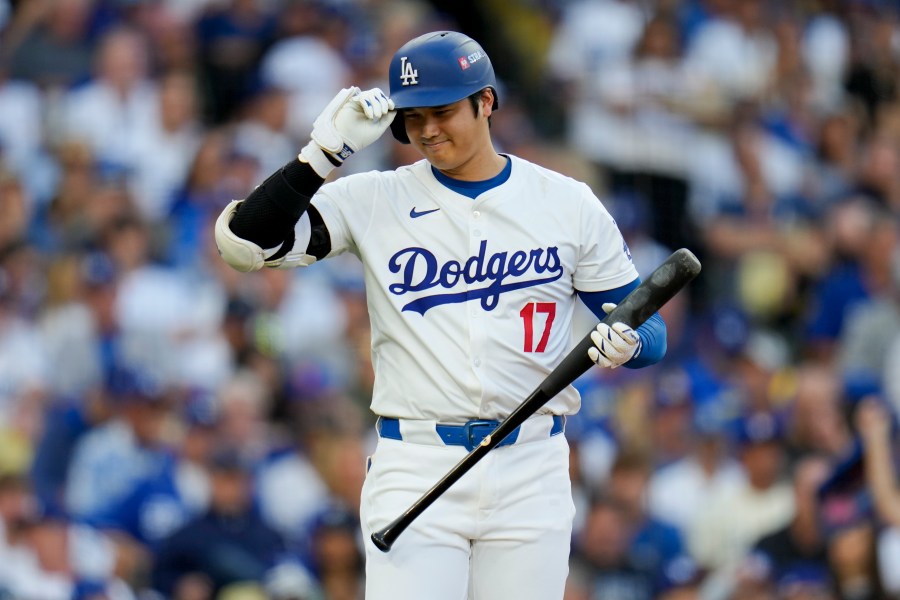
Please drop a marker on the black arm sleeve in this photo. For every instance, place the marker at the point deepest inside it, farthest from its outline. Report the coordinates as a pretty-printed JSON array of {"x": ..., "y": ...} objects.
[
  {"x": 320, "y": 240},
  {"x": 268, "y": 215}
]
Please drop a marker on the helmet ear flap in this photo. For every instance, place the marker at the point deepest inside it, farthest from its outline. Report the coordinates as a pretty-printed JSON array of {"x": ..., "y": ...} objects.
[{"x": 398, "y": 129}]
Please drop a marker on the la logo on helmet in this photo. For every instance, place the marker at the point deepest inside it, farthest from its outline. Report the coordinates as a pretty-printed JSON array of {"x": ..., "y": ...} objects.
[{"x": 408, "y": 75}]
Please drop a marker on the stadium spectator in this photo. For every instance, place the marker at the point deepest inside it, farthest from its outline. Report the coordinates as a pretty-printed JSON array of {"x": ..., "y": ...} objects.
[
  {"x": 51, "y": 43},
  {"x": 172, "y": 136},
  {"x": 854, "y": 274},
  {"x": 733, "y": 521},
  {"x": 794, "y": 556},
  {"x": 115, "y": 106},
  {"x": 307, "y": 63},
  {"x": 601, "y": 564},
  {"x": 815, "y": 421},
  {"x": 231, "y": 37},
  {"x": 679, "y": 492},
  {"x": 112, "y": 458},
  {"x": 227, "y": 545},
  {"x": 876, "y": 425},
  {"x": 654, "y": 544}
]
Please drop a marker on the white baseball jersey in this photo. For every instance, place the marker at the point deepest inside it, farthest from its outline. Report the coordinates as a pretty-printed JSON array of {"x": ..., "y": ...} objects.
[{"x": 471, "y": 301}]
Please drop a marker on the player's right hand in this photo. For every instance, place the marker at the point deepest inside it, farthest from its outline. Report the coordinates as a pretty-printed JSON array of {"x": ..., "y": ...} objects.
[{"x": 351, "y": 121}]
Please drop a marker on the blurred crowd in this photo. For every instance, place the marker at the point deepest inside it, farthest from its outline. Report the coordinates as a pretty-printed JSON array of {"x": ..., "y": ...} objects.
[{"x": 170, "y": 428}]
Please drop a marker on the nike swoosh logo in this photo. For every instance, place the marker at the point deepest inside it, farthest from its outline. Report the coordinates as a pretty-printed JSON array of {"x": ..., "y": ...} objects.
[{"x": 413, "y": 214}]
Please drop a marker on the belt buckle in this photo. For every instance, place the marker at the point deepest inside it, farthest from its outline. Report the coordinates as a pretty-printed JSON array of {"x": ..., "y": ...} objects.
[{"x": 470, "y": 431}]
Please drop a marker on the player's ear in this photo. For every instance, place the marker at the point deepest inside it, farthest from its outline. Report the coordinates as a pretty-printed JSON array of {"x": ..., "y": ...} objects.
[{"x": 487, "y": 101}]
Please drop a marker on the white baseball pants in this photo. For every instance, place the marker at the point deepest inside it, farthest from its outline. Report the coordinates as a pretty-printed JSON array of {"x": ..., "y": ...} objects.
[{"x": 502, "y": 531}]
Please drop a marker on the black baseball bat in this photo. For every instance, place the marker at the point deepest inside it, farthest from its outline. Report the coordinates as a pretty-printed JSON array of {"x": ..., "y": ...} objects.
[{"x": 638, "y": 306}]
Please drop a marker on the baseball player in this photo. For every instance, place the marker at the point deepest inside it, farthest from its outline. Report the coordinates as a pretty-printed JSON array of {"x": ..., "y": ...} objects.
[{"x": 473, "y": 261}]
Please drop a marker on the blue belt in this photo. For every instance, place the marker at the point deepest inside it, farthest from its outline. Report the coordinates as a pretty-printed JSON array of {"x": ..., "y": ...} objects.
[{"x": 469, "y": 435}]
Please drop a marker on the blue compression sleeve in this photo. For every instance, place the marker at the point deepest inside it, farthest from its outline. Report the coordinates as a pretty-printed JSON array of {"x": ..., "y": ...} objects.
[{"x": 652, "y": 332}]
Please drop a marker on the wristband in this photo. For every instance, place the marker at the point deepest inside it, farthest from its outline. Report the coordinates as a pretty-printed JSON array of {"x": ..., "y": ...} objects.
[{"x": 317, "y": 158}]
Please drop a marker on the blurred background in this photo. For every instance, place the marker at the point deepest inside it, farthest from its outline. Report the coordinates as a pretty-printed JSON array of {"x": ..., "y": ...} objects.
[{"x": 170, "y": 428}]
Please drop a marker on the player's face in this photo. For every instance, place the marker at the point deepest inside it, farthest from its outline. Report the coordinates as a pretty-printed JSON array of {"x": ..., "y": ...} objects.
[{"x": 453, "y": 138}]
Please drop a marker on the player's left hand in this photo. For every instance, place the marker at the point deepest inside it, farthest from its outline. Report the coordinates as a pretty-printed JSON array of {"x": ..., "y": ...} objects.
[
  {"x": 352, "y": 120},
  {"x": 358, "y": 119},
  {"x": 615, "y": 344}
]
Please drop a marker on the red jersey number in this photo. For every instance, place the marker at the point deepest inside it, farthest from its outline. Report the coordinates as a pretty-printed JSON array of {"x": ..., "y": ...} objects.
[{"x": 528, "y": 314}]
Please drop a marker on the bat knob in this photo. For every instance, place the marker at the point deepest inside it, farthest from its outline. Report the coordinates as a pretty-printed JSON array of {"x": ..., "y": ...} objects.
[{"x": 378, "y": 538}]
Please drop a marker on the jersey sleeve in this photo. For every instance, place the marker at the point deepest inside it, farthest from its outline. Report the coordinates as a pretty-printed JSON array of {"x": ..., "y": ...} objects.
[
  {"x": 605, "y": 261},
  {"x": 346, "y": 207}
]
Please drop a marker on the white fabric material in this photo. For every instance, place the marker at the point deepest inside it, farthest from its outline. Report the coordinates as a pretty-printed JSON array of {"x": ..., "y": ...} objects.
[
  {"x": 23, "y": 576},
  {"x": 678, "y": 493},
  {"x": 623, "y": 112},
  {"x": 731, "y": 523},
  {"x": 888, "y": 559},
  {"x": 108, "y": 123},
  {"x": 62, "y": 328},
  {"x": 826, "y": 53},
  {"x": 421, "y": 431},
  {"x": 305, "y": 63},
  {"x": 715, "y": 175},
  {"x": 106, "y": 464},
  {"x": 533, "y": 258},
  {"x": 24, "y": 364},
  {"x": 92, "y": 554},
  {"x": 591, "y": 35},
  {"x": 290, "y": 493},
  {"x": 891, "y": 373},
  {"x": 516, "y": 503},
  {"x": 269, "y": 147},
  {"x": 741, "y": 62},
  {"x": 161, "y": 163},
  {"x": 866, "y": 346},
  {"x": 619, "y": 119},
  {"x": 21, "y": 127},
  {"x": 311, "y": 71},
  {"x": 170, "y": 327}
]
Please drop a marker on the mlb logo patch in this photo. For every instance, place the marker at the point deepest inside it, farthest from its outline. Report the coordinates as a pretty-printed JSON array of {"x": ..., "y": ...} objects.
[{"x": 463, "y": 63}]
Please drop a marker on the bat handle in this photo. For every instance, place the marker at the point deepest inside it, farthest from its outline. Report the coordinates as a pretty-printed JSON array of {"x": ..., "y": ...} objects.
[{"x": 385, "y": 538}]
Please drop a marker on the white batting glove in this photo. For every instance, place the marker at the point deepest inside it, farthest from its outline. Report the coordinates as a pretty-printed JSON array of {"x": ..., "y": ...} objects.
[
  {"x": 615, "y": 344},
  {"x": 351, "y": 121}
]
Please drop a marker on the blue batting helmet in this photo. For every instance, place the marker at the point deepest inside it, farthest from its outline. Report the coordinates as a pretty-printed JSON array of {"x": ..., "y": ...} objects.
[{"x": 436, "y": 69}]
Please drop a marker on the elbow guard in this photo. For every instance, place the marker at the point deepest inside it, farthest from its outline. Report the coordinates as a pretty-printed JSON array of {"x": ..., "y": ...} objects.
[
  {"x": 242, "y": 255},
  {"x": 245, "y": 256}
]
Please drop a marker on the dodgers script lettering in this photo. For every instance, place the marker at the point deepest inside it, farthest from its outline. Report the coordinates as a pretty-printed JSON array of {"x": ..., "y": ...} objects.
[{"x": 501, "y": 272}]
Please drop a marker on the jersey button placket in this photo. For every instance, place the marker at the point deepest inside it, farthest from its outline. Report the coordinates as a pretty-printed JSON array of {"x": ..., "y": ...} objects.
[
  {"x": 475, "y": 310},
  {"x": 476, "y": 226}
]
